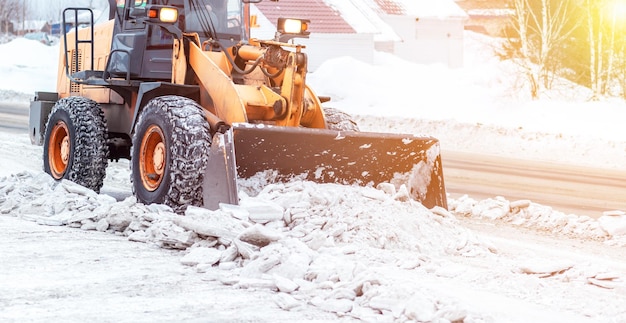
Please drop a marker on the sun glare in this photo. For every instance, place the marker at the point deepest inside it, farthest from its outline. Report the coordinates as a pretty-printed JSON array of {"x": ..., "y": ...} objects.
[
  {"x": 619, "y": 11},
  {"x": 618, "y": 20}
]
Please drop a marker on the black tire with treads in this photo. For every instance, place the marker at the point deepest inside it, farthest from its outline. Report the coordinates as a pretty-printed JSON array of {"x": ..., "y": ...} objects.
[
  {"x": 185, "y": 136},
  {"x": 82, "y": 121}
]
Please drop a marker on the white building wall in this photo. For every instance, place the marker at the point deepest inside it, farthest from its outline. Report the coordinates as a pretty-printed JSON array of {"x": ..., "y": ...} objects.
[
  {"x": 322, "y": 47},
  {"x": 429, "y": 40}
]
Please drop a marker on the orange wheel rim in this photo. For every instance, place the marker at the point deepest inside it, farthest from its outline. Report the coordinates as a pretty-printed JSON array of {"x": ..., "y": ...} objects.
[
  {"x": 152, "y": 158},
  {"x": 59, "y": 148}
]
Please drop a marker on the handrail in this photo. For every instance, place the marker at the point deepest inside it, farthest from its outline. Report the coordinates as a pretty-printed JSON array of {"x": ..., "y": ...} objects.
[{"x": 77, "y": 41}]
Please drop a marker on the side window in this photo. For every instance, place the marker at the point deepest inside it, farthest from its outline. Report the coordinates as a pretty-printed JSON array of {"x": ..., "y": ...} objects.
[
  {"x": 159, "y": 38},
  {"x": 129, "y": 9},
  {"x": 120, "y": 8}
]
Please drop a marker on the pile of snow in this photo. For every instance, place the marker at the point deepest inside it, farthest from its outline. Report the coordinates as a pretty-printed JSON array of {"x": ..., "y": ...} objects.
[
  {"x": 610, "y": 228},
  {"x": 320, "y": 243},
  {"x": 329, "y": 245},
  {"x": 28, "y": 66}
]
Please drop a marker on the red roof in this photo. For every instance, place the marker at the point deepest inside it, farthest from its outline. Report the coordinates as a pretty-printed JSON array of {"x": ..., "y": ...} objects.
[
  {"x": 324, "y": 19},
  {"x": 390, "y": 7}
]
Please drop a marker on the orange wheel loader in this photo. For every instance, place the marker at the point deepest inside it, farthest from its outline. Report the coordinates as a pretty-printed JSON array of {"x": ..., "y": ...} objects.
[{"x": 180, "y": 89}]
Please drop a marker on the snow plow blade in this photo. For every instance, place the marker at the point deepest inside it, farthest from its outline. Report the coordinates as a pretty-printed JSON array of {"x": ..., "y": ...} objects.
[{"x": 343, "y": 157}]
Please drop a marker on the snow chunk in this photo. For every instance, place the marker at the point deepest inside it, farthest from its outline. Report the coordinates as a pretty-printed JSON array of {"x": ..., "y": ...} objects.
[
  {"x": 613, "y": 225},
  {"x": 546, "y": 269},
  {"x": 259, "y": 235},
  {"x": 201, "y": 255},
  {"x": 262, "y": 211}
]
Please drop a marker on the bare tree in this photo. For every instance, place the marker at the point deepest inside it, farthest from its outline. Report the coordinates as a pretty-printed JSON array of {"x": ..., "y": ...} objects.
[
  {"x": 594, "y": 22},
  {"x": 542, "y": 27},
  {"x": 53, "y": 11},
  {"x": 9, "y": 10},
  {"x": 620, "y": 46},
  {"x": 606, "y": 46},
  {"x": 614, "y": 75},
  {"x": 522, "y": 17},
  {"x": 620, "y": 75}
]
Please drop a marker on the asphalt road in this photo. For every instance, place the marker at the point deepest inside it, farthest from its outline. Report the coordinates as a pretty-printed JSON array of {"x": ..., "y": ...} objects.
[
  {"x": 566, "y": 188},
  {"x": 14, "y": 117}
]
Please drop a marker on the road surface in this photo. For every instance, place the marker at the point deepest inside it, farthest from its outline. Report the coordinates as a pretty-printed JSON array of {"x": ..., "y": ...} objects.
[
  {"x": 566, "y": 188},
  {"x": 14, "y": 117}
]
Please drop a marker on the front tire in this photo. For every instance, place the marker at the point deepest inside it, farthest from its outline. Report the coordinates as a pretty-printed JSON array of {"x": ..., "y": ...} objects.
[
  {"x": 170, "y": 152},
  {"x": 75, "y": 144}
]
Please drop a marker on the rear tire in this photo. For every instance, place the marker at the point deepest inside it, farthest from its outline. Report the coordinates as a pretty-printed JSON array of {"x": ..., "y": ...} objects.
[
  {"x": 170, "y": 152},
  {"x": 339, "y": 120},
  {"x": 75, "y": 144}
]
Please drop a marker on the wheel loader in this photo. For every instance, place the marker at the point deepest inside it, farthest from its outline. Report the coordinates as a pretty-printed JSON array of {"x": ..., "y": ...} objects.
[{"x": 180, "y": 89}]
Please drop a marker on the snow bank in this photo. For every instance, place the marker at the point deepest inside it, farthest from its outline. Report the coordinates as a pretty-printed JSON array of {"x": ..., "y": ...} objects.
[
  {"x": 486, "y": 91},
  {"x": 28, "y": 66},
  {"x": 611, "y": 227}
]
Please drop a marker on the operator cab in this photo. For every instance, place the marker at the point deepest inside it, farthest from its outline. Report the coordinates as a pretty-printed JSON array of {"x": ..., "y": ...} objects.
[
  {"x": 215, "y": 19},
  {"x": 144, "y": 50}
]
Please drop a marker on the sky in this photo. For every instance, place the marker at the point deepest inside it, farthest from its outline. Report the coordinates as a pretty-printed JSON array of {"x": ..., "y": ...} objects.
[
  {"x": 325, "y": 252},
  {"x": 51, "y": 10}
]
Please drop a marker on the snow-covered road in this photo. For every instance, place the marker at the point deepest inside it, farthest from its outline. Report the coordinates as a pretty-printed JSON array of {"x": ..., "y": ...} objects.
[{"x": 60, "y": 274}]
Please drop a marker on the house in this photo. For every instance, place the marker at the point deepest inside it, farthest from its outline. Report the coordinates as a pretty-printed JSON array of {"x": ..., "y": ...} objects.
[
  {"x": 421, "y": 31},
  {"x": 58, "y": 28},
  {"x": 431, "y": 31},
  {"x": 83, "y": 18},
  {"x": 6, "y": 27},
  {"x": 489, "y": 17},
  {"x": 29, "y": 26},
  {"x": 368, "y": 21},
  {"x": 331, "y": 34}
]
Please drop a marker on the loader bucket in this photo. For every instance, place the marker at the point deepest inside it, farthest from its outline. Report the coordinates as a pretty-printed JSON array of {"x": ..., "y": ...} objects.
[{"x": 329, "y": 156}]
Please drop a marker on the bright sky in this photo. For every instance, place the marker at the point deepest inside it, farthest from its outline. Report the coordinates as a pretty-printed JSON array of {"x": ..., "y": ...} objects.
[{"x": 50, "y": 10}]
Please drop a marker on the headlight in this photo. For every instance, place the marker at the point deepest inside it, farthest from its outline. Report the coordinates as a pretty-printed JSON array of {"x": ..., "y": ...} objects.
[
  {"x": 168, "y": 15},
  {"x": 293, "y": 26}
]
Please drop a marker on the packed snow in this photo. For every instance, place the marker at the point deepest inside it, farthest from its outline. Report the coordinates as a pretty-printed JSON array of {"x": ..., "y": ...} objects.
[{"x": 324, "y": 252}]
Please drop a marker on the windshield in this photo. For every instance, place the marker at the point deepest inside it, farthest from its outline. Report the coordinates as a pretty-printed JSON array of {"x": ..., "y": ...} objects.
[{"x": 220, "y": 19}]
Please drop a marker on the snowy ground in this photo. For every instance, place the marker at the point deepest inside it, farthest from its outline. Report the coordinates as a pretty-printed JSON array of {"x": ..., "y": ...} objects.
[{"x": 305, "y": 251}]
